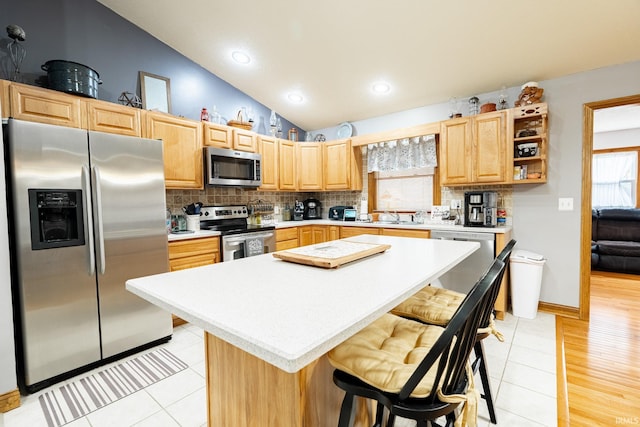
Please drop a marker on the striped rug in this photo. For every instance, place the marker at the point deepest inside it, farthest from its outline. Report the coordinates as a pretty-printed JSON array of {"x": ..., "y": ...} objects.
[{"x": 77, "y": 399}]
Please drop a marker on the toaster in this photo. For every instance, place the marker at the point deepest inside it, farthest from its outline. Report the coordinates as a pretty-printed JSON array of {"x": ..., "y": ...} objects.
[{"x": 337, "y": 212}]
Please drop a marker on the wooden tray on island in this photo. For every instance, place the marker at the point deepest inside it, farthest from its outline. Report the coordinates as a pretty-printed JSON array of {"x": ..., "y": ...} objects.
[{"x": 330, "y": 254}]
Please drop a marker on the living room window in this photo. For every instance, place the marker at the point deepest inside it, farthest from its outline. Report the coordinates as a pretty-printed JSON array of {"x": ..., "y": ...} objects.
[{"x": 615, "y": 178}]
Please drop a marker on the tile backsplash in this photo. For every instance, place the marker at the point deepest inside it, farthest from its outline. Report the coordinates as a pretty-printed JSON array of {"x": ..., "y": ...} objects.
[{"x": 176, "y": 199}]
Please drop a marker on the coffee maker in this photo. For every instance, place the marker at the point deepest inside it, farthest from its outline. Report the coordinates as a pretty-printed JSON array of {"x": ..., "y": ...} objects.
[
  {"x": 312, "y": 209},
  {"x": 480, "y": 208}
]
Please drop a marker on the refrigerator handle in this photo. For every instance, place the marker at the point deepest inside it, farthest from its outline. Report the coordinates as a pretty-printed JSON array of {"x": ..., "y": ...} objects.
[
  {"x": 86, "y": 184},
  {"x": 99, "y": 222}
]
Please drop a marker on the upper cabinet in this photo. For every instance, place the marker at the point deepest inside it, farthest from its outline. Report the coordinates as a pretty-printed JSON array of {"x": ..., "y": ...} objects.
[
  {"x": 182, "y": 139},
  {"x": 530, "y": 144},
  {"x": 473, "y": 150},
  {"x": 287, "y": 165},
  {"x": 113, "y": 118},
  {"x": 342, "y": 166},
  {"x": 46, "y": 106},
  {"x": 310, "y": 166},
  {"x": 216, "y": 135},
  {"x": 245, "y": 140},
  {"x": 268, "y": 148}
]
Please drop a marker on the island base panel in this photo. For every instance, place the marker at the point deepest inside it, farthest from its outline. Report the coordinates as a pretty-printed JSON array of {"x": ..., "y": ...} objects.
[{"x": 245, "y": 391}]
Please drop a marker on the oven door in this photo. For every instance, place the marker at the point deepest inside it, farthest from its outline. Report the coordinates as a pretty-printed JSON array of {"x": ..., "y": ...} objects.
[{"x": 244, "y": 245}]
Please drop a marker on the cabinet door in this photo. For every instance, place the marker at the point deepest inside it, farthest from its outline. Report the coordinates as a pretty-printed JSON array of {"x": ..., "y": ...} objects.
[
  {"x": 319, "y": 233},
  {"x": 455, "y": 151},
  {"x": 5, "y": 103},
  {"x": 182, "y": 141},
  {"x": 309, "y": 159},
  {"x": 337, "y": 160},
  {"x": 333, "y": 233},
  {"x": 46, "y": 106},
  {"x": 113, "y": 118},
  {"x": 287, "y": 165},
  {"x": 216, "y": 135},
  {"x": 490, "y": 142},
  {"x": 193, "y": 253},
  {"x": 305, "y": 235},
  {"x": 268, "y": 148},
  {"x": 245, "y": 140},
  {"x": 356, "y": 231}
]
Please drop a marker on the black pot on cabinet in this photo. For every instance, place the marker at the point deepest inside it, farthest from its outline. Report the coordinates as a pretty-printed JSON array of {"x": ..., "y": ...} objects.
[{"x": 71, "y": 77}]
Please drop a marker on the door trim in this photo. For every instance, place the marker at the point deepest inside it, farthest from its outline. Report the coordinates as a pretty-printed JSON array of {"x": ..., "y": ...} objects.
[{"x": 585, "y": 228}]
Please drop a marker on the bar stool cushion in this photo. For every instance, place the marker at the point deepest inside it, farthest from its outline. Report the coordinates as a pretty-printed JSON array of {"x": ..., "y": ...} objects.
[
  {"x": 386, "y": 353},
  {"x": 432, "y": 305}
]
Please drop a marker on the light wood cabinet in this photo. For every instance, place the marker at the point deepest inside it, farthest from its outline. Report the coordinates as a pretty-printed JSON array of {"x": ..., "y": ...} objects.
[
  {"x": 268, "y": 148},
  {"x": 502, "y": 302},
  {"x": 473, "y": 150},
  {"x": 305, "y": 235},
  {"x": 356, "y": 231},
  {"x": 245, "y": 140},
  {"x": 182, "y": 141},
  {"x": 490, "y": 148},
  {"x": 530, "y": 127},
  {"x": 319, "y": 233},
  {"x": 336, "y": 156},
  {"x": 403, "y": 232},
  {"x": 192, "y": 253},
  {"x": 5, "y": 102},
  {"x": 333, "y": 232},
  {"x": 287, "y": 167},
  {"x": 216, "y": 135},
  {"x": 46, "y": 106},
  {"x": 286, "y": 238},
  {"x": 113, "y": 118},
  {"x": 309, "y": 162}
]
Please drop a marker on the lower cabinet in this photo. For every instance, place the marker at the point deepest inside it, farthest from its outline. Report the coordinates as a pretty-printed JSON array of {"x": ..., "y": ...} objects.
[
  {"x": 286, "y": 238},
  {"x": 356, "y": 231},
  {"x": 191, "y": 253},
  {"x": 403, "y": 232}
]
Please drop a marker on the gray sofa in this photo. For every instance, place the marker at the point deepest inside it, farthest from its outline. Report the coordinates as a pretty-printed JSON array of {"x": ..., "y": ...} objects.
[{"x": 615, "y": 240}]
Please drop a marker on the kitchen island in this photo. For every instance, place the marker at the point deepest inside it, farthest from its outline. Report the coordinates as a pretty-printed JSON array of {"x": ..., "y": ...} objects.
[{"x": 268, "y": 323}]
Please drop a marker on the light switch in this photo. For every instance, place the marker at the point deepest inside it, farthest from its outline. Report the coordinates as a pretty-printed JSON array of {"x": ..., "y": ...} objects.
[{"x": 565, "y": 203}]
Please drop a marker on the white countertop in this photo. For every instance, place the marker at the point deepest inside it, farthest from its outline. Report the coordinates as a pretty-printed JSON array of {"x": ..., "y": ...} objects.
[
  {"x": 290, "y": 314},
  {"x": 195, "y": 235},
  {"x": 425, "y": 226}
]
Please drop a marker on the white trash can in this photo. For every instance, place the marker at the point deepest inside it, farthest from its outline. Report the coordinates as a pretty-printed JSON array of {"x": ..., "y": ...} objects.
[{"x": 526, "y": 280}]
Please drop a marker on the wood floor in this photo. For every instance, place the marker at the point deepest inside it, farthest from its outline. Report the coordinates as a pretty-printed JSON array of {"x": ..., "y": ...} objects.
[{"x": 600, "y": 359}]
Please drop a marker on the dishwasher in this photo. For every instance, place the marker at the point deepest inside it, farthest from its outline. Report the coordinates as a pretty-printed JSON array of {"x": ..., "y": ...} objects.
[{"x": 463, "y": 276}]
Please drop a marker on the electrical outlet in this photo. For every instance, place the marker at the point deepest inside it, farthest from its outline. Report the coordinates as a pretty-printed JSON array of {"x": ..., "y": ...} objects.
[
  {"x": 456, "y": 204},
  {"x": 565, "y": 204}
]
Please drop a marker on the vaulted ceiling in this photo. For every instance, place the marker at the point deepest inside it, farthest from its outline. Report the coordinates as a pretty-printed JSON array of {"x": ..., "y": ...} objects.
[{"x": 332, "y": 52}]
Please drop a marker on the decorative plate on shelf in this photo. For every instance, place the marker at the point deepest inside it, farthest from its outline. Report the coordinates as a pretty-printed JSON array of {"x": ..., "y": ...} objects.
[{"x": 345, "y": 130}]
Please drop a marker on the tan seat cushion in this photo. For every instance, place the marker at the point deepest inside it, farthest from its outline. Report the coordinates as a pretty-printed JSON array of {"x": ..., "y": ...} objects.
[
  {"x": 431, "y": 305},
  {"x": 387, "y": 352}
]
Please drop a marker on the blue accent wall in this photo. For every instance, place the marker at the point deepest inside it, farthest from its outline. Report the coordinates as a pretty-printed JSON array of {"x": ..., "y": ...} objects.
[{"x": 89, "y": 33}]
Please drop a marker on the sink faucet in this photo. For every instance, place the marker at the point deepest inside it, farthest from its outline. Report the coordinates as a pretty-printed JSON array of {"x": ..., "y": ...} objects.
[{"x": 396, "y": 216}]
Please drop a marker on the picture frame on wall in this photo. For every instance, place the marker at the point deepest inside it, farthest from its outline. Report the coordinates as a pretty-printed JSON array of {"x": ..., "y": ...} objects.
[{"x": 155, "y": 92}]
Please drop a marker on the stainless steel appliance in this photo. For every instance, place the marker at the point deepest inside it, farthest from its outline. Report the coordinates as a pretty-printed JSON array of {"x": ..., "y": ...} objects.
[
  {"x": 312, "y": 209},
  {"x": 225, "y": 167},
  {"x": 480, "y": 208},
  {"x": 463, "y": 276},
  {"x": 238, "y": 238},
  {"x": 298, "y": 211},
  {"x": 87, "y": 213}
]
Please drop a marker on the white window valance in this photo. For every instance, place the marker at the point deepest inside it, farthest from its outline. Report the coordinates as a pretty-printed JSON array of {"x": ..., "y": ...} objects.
[{"x": 402, "y": 154}]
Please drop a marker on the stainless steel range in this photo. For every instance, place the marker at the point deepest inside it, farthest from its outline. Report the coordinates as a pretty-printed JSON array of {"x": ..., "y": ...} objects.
[{"x": 238, "y": 238}]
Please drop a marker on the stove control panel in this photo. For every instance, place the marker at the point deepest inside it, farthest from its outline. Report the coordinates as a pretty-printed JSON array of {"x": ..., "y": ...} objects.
[{"x": 223, "y": 212}]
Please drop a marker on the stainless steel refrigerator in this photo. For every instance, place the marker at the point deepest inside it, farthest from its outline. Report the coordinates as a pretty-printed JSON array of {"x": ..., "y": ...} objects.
[{"x": 87, "y": 212}]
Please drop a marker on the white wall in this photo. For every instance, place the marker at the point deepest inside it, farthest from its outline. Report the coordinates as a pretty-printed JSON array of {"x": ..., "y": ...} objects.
[
  {"x": 538, "y": 226},
  {"x": 7, "y": 354},
  {"x": 616, "y": 139}
]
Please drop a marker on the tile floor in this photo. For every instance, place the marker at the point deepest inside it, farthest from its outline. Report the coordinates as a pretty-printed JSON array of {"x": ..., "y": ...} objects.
[{"x": 522, "y": 371}]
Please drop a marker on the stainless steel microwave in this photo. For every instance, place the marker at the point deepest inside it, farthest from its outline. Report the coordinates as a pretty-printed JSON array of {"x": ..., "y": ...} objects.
[{"x": 224, "y": 167}]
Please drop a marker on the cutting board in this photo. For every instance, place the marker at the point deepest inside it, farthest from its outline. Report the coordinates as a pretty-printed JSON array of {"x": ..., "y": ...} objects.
[{"x": 330, "y": 254}]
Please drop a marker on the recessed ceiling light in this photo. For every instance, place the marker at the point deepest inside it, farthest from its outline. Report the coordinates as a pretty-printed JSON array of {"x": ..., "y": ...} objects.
[
  {"x": 381, "y": 87},
  {"x": 295, "y": 97},
  {"x": 240, "y": 57}
]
